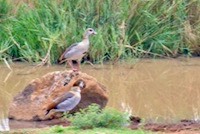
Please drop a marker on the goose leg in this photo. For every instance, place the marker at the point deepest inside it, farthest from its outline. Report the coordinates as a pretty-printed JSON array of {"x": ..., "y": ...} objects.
[
  {"x": 71, "y": 64},
  {"x": 78, "y": 65}
]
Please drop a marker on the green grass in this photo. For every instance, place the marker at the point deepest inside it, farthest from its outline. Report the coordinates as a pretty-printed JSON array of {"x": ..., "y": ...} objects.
[
  {"x": 71, "y": 130},
  {"x": 94, "y": 117},
  {"x": 126, "y": 28}
]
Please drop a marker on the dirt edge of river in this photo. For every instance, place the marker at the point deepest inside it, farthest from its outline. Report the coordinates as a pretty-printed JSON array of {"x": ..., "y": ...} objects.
[{"x": 181, "y": 126}]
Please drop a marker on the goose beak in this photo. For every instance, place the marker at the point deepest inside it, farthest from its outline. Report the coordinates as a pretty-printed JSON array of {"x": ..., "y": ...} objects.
[{"x": 94, "y": 33}]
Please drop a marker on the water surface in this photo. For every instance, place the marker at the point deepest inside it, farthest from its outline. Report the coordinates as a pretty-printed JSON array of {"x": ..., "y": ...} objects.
[{"x": 156, "y": 90}]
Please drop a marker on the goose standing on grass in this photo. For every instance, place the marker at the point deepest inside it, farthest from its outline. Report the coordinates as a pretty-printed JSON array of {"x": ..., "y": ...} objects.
[
  {"x": 77, "y": 50},
  {"x": 67, "y": 101}
]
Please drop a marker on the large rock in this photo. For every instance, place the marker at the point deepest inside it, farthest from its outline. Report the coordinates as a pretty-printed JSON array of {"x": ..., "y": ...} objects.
[{"x": 33, "y": 101}]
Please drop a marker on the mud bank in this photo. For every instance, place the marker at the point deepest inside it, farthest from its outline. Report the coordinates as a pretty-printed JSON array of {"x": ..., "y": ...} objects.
[{"x": 182, "y": 126}]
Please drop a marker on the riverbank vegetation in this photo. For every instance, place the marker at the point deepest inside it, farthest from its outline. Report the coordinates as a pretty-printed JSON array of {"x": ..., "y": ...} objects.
[
  {"x": 93, "y": 117},
  {"x": 33, "y": 30},
  {"x": 89, "y": 121}
]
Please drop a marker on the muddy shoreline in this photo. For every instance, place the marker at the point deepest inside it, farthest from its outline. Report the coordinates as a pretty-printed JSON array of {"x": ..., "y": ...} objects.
[{"x": 182, "y": 125}]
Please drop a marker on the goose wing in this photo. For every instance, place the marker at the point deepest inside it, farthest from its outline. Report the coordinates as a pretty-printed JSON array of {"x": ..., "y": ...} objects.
[
  {"x": 68, "y": 52},
  {"x": 59, "y": 100}
]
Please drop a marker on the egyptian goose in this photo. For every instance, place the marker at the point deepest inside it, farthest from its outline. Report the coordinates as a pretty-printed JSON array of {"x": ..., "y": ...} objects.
[
  {"x": 77, "y": 50},
  {"x": 69, "y": 100}
]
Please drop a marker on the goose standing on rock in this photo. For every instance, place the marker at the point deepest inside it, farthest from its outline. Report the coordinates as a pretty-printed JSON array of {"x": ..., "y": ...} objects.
[
  {"x": 77, "y": 50},
  {"x": 67, "y": 101}
]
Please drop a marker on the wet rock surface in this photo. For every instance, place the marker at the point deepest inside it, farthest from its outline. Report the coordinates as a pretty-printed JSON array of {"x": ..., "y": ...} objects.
[{"x": 32, "y": 103}]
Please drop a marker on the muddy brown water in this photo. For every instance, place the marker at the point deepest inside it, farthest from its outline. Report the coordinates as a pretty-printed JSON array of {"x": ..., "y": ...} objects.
[{"x": 157, "y": 90}]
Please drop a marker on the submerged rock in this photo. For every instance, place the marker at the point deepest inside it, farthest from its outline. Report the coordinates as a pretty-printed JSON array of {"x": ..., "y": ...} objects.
[{"x": 32, "y": 103}]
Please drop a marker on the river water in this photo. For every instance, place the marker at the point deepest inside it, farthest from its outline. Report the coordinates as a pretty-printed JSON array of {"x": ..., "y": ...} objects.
[{"x": 153, "y": 89}]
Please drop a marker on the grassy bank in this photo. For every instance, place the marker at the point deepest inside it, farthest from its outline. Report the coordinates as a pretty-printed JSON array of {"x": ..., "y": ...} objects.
[
  {"x": 91, "y": 120},
  {"x": 71, "y": 130},
  {"x": 31, "y": 30}
]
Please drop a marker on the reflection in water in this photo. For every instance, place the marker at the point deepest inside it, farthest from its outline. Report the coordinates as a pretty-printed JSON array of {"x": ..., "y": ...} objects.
[
  {"x": 152, "y": 89},
  {"x": 4, "y": 101},
  {"x": 4, "y": 124},
  {"x": 127, "y": 109}
]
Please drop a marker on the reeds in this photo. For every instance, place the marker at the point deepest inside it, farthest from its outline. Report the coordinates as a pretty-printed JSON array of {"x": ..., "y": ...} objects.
[{"x": 126, "y": 28}]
